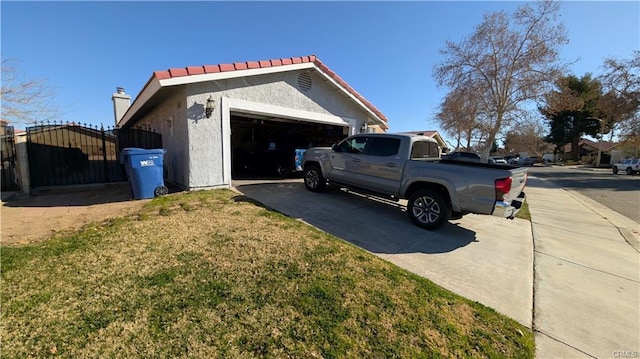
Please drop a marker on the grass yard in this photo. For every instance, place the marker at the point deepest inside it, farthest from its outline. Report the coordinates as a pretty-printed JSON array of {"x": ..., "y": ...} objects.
[
  {"x": 524, "y": 212},
  {"x": 213, "y": 274}
]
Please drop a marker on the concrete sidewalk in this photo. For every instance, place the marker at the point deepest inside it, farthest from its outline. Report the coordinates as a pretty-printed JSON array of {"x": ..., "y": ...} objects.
[{"x": 587, "y": 276}]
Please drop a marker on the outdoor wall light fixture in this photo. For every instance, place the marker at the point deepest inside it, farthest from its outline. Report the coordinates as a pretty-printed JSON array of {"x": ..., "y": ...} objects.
[
  {"x": 363, "y": 129},
  {"x": 210, "y": 106}
]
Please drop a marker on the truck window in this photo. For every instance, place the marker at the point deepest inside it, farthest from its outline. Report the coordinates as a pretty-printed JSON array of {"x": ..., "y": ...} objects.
[
  {"x": 425, "y": 149},
  {"x": 384, "y": 146},
  {"x": 354, "y": 145}
]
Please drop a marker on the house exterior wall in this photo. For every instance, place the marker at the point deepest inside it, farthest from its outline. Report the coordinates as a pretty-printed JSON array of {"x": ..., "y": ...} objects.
[
  {"x": 170, "y": 120},
  {"x": 209, "y": 138},
  {"x": 198, "y": 148}
]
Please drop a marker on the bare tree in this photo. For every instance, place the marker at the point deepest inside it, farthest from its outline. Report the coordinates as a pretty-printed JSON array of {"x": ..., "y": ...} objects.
[
  {"x": 528, "y": 138},
  {"x": 506, "y": 62},
  {"x": 25, "y": 101},
  {"x": 457, "y": 117},
  {"x": 622, "y": 101}
]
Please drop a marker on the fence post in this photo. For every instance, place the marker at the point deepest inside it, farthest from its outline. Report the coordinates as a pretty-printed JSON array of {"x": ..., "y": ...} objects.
[
  {"x": 104, "y": 154},
  {"x": 22, "y": 165}
]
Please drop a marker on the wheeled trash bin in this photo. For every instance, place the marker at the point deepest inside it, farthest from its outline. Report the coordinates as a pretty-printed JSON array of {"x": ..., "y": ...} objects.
[{"x": 144, "y": 171}]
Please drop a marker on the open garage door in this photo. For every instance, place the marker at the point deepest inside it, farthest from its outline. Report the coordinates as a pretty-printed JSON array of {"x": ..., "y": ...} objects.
[{"x": 267, "y": 147}]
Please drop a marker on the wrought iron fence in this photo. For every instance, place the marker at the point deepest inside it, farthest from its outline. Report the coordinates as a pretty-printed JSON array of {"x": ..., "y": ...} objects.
[
  {"x": 9, "y": 177},
  {"x": 71, "y": 153}
]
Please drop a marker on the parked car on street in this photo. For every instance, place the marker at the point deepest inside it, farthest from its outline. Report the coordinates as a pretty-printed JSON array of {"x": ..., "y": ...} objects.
[
  {"x": 497, "y": 161},
  {"x": 462, "y": 156},
  {"x": 512, "y": 160},
  {"x": 629, "y": 166},
  {"x": 527, "y": 161}
]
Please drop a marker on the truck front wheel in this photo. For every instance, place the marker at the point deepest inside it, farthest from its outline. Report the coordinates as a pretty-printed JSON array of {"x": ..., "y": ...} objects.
[
  {"x": 313, "y": 179},
  {"x": 427, "y": 209}
]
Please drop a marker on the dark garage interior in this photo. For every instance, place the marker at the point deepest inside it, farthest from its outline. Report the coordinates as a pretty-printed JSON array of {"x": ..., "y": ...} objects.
[{"x": 267, "y": 147}]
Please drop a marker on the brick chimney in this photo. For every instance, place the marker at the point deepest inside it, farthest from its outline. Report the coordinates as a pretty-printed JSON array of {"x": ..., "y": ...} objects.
[{"x": 121, "y": 103}]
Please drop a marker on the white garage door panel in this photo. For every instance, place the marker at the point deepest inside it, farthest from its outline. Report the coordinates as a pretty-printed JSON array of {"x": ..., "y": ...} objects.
[{"x": 262, "y": 109}]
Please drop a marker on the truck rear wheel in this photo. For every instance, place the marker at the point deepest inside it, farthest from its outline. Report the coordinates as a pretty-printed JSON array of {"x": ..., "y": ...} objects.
[
  {"x": 615, "y": 170},
  {"x": 313, "y": 179},
  {"x": 427, "y": 209}
]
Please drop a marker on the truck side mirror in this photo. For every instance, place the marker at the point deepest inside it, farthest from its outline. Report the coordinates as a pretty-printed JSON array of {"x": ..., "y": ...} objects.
[{"x": 335, "y": 148}]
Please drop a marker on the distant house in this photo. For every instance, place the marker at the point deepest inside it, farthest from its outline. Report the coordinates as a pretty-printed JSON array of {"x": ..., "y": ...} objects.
[
  {"x": 432, "y": 134},
  {"x": 589, "y": 151}
]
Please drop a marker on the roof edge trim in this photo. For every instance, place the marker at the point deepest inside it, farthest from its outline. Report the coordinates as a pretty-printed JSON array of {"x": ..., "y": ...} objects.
[
  {"x": 152, "y": 86},
  {"x": 183, "y": 80}
]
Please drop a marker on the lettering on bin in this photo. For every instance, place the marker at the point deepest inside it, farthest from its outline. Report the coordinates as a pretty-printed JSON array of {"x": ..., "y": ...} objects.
[{"x": 146, "y": 163}]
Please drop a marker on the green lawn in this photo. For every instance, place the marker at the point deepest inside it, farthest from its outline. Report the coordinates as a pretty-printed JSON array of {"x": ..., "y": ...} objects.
[
  {"x": 524, "y": 212},
  {"x": 213, "y": 274}
]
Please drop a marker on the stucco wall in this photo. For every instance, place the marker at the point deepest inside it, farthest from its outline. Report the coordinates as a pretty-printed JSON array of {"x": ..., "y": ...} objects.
[
  {"x": 280, "y": 89},
  {"x": 205, "y": 140},
  {"x": 196, "y": 145},
  {"x": 169, "y": 119}
]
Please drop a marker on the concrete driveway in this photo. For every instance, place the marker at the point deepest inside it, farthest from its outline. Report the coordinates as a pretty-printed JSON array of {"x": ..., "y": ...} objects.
[{"x": 483, "y": 258}]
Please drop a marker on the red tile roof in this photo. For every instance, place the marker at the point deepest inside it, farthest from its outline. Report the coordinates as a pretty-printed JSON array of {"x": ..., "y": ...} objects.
[
  {"x": 199, "y": 70},
  {"x": 604, "y": 146}
]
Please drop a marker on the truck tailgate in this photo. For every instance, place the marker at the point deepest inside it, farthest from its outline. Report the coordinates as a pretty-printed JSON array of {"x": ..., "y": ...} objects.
[
  {"x": 509, "y": 193},
  {"x": 518, "y": 181}
]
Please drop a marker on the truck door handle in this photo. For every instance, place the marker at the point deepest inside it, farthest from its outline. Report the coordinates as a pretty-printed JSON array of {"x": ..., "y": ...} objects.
[
  {"x": 356, "y": 160},
  {"x": 390, "y": 164}
]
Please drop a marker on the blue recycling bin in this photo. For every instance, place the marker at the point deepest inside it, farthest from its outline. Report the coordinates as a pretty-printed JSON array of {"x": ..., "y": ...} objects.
[
  {"x": 298, "y": 158},
  {"x": 144, "y": 171}
]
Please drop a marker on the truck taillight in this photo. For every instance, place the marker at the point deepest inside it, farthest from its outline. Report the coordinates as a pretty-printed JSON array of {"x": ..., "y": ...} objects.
[{"x": 503, "y": 186}]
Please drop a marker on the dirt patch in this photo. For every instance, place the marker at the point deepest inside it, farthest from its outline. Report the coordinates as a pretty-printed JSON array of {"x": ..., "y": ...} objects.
[{"x": 27, "y": 219}]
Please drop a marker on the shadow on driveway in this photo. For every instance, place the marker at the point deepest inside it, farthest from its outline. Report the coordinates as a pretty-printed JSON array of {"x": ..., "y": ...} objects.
[{"x": 378, "y": 226}]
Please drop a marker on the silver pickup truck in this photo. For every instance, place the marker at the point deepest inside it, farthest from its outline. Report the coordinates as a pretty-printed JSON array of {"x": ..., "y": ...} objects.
[{"x": 406, "y": 166}]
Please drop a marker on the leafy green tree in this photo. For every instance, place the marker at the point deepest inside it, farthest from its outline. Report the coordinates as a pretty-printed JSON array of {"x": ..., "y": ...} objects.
[
  {"x": 572, "y": 111},
  {"x": 494, "y": 148}
]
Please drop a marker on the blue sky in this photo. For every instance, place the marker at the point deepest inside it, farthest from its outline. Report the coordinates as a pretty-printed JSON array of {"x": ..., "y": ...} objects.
[{"x": 385, "y": 50}]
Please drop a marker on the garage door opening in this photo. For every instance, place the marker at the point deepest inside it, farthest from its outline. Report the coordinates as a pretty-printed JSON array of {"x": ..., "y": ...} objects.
[{"x": 267, "y": 148}]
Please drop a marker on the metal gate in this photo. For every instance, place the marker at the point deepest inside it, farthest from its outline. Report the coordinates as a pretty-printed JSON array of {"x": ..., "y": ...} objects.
[
  {"x": 8, "y": 156},
  {"x": 70, "y": 154}
]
